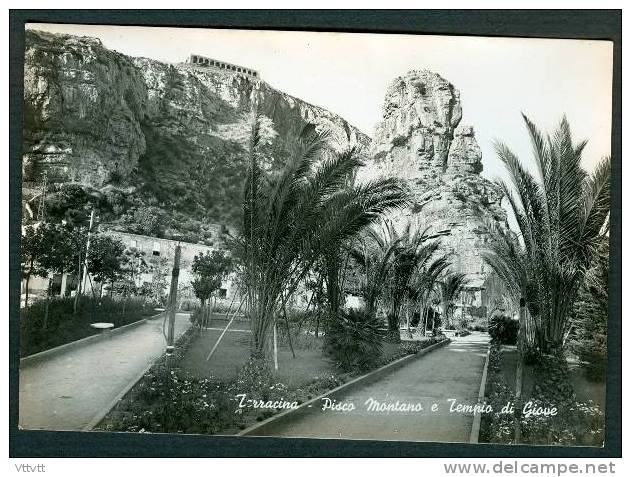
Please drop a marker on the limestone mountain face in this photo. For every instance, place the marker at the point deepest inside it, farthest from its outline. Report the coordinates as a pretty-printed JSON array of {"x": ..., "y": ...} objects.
[
  {"x": 83, "y": 105},
  {"x": 420, "y": 139},
  {"x": 173, "y": 133}
]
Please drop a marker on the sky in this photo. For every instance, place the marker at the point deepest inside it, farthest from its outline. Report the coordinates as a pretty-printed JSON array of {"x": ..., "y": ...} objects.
[{"x": 348, "y": 73}]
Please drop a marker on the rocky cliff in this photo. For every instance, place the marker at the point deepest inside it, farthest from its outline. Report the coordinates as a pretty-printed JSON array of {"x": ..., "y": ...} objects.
[
  {"x": 168, "y": 137},
  {"x": 165, "y": 142},
  {"x": 420, "y": 139}
]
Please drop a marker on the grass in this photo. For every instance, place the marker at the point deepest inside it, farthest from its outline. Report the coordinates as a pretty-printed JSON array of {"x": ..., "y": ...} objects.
[{"x": 233, "y": 352}]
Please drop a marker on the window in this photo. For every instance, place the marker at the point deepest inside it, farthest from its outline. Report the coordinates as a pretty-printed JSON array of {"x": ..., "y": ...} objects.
[
  {"x": 156, "y": 249},
  {"x": 133, "y": 243},
  {"x": 222, "y": 293}
]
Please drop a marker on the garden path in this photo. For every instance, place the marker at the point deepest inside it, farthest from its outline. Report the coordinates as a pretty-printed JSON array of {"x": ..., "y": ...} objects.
[
  {"x": 451, "y": 372},
  {"x": 68, "y": 390}
]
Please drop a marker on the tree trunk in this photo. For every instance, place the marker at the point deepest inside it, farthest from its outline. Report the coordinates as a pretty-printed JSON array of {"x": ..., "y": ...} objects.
[
  {"x": 291, "y": 346},
  {"x": 28, "y": 278},
  {"x": 424, "y": 321},
  {"x": 211, "y": 312},
  {"x": 275, "y": 348},
  {"x": 47, "y": 304},
  {"x": 78, "y": 292},
  {"x": 394, "y": 335},
  {"x": 520, "y": 371}
]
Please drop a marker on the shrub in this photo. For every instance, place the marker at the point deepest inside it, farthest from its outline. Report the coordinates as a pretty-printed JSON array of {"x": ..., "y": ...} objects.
[
  {"x": 503, "y": 329},
  {"x": 355, "y": 340},
  {"x": 188, "y": 304},
  {"x": 532, "y": 356},
  {"x": 38, "y": 332},
  {"x": 591, "y": 312},
  {"x": 411, "y": 347},
  {"x": 463, "y": 323},
  {"x": 576, "y": 423}
]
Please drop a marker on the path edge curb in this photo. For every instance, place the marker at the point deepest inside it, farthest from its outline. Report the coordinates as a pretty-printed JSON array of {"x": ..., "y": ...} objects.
[
  {"x": 105, "y": 411},
  {"x": 97, "y": 418},
  {"x": 477, "y": 418},
  {"x": 363, "y": 379},
  {"x": 49, "y": 353}
]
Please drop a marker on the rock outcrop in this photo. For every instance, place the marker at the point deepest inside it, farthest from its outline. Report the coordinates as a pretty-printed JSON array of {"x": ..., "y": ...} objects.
[
  {"x": 95, "y": 116},
  {"x": 172, "y": 133},
  {"x": 420, "y": 139},
  {"x": 83, "y": 107}
]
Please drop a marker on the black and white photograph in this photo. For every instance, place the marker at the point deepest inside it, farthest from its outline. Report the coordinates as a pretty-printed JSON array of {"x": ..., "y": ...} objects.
[{"x": 312, "y": 234}]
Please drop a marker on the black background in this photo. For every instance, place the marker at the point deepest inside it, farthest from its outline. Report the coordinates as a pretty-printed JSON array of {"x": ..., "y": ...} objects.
[{"x": 592, "y": 24}]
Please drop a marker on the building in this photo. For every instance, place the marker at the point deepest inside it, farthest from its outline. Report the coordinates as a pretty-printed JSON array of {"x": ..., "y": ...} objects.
[
  {"x": 222, "y": 66},
  {"x": 157, "y": 253}
]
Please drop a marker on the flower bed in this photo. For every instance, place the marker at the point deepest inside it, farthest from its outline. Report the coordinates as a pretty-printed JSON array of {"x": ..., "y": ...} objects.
[
  {"x": 575, "y": 423},
  {"x": 189, "y": 404}
]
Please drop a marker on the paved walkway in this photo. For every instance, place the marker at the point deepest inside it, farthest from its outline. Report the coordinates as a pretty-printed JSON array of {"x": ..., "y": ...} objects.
[
  {"x": 451, "y": 372},
  {"x": 68, "y": 390}
]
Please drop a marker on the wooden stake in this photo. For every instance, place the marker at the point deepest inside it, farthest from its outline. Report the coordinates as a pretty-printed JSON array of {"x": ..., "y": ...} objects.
[
  {"x": 275, "y": 348},
  {"x": 212, "y": 351}
]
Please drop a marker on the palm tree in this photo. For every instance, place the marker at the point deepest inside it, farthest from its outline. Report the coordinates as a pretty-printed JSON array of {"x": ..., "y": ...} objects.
[
  {"x": 415, "y": 253},
  {"x": 422, "y": 286},
  {"x": 392, "y": 262},
  {"x": 294, "y": 216},
  {"x": 374, "y": 255},
  {"x": 562, "y": 214},
  {"x": 448, "y": 290}
]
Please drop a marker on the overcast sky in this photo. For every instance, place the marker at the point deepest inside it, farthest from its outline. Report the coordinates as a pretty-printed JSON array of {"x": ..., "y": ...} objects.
[{"x": 349, "y": 73}]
